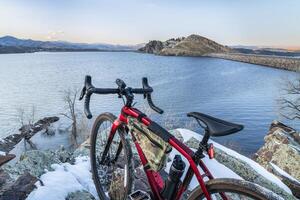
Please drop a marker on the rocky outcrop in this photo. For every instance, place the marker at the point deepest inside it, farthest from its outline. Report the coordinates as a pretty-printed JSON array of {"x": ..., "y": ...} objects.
[
  {"x": 193, "y": 45},
  {"x": 18, "y": 180},
  {"x": 36, "y": 162},
  {"x": 286, "y": 63},
  {"x": 20, "y": 189},
  {"x": 282, "y": 148},
  {"x": 153, "y": 46},
  {"x": 26, "y": 132},
  {"x": 242, "y": 169}
]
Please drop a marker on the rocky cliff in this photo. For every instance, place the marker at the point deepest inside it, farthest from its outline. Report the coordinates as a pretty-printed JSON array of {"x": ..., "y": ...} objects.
[{"x": 193, "y": 45}]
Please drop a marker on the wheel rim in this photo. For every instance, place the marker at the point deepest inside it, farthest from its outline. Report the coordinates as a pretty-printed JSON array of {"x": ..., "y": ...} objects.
[
  {"x": 112, "y": 173},
  {"x": 215, "y": 195}
]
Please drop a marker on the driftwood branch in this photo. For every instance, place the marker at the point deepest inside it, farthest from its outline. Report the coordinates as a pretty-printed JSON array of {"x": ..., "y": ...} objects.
[{"x": 26, "y": 132}]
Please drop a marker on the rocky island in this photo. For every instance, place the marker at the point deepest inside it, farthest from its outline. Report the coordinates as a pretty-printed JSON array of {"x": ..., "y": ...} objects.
[{"x": 195, "y": 45}]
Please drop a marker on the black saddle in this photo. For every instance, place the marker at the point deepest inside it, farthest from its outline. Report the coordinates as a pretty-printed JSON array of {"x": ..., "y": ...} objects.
[{"x": 216, "y": 127}]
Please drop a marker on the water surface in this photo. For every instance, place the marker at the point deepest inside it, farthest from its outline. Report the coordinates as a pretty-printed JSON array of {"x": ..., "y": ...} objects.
[{"x": 235, "y": 91}]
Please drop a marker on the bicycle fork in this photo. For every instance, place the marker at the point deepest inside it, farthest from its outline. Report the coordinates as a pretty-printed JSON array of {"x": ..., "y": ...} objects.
[{"x": 112, "y": 132}]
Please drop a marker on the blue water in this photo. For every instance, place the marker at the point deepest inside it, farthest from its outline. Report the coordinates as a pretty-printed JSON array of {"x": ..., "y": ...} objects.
[{"x": 238, "y": 92}]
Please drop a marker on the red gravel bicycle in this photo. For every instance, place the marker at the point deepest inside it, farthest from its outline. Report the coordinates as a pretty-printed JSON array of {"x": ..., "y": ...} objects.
[{"x": 113, "y": 162}]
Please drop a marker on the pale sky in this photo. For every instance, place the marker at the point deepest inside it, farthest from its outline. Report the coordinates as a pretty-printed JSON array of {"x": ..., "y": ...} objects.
[{"x": 229, "y": 22}]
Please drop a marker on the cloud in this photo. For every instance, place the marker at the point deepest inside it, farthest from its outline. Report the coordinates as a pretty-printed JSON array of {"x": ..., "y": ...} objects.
[{"x": 55, "y": 35}]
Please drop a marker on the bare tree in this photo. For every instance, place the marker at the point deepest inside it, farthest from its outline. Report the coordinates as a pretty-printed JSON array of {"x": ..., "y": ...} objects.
[
  {"x": 20, "y": 116},
  {"x": 290, "y": 101},
  {"x": 26, "y": 120},
  {"x": 26, "y": 117},
  {"x": 31, "y": 117},
  {"x": 70, "y": 97}
]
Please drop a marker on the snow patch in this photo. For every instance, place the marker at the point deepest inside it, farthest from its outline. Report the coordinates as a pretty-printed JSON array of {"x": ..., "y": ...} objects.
[
  {"x": 2, "y": 153},
  {"x": 187, "y": 134},
  {"x": 283, "y": 173},
  {"x": 65, "y": 178}
]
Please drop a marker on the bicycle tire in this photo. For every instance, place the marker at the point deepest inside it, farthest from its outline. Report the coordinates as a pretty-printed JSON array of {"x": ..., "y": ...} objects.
[
  {"x": 238, "y": 187},
  {"x": 101, "y": 119}
]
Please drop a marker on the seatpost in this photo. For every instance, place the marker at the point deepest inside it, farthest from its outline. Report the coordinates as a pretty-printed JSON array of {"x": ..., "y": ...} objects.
[
  {"x": 202, "y": 147},
  {"x": 205, "y": 138}
]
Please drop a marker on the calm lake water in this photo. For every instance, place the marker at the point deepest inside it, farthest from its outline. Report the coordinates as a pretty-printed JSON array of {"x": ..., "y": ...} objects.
[{"x": 238, "y": 92}]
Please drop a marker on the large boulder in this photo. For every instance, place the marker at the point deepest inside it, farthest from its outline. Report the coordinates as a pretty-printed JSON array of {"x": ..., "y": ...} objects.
[{"x": 282, "y": 148}]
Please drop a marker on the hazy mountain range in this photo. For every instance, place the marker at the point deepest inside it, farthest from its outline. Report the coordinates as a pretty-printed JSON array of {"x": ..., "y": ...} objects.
[{"x": 9, "y": 44}]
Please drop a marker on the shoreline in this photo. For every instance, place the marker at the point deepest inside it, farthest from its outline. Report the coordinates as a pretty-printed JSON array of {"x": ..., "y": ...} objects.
[
  {"x": 278, "y": 62},
  {"x": 63, "y": 51}
]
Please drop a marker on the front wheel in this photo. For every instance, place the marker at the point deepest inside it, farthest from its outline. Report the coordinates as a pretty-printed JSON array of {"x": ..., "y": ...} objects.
[
  {"x": 233, "y": 189},
  {"x": 112, "y": 168}
]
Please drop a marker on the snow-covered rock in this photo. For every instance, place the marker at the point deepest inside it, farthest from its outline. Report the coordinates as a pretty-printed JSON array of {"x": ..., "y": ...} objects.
[
  {"x": 281, "y": 153},
  {"x": 282, "y": 147},
  {"x": 65, "y": 180},
  {"x": 36, "y": 162}
]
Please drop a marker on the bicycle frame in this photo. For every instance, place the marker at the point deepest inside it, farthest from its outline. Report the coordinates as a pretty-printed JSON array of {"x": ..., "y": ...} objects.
[{"x": 155, "y": 180}]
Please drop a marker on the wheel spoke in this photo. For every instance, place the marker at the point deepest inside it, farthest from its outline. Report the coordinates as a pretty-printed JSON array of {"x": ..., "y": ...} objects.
[{"x": 118, "y": 151}]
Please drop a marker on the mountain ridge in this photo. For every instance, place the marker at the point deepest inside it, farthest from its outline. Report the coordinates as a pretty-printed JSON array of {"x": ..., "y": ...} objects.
[{"x": 10, "y": 42}]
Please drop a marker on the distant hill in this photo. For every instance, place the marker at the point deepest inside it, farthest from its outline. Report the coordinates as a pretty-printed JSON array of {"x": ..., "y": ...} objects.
[
  {"x": 268, "y": 51},
  {"x": 8, "y": 44},
  {"x": 14, "y": 49},
  {"x": 193, "y": 45}
]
